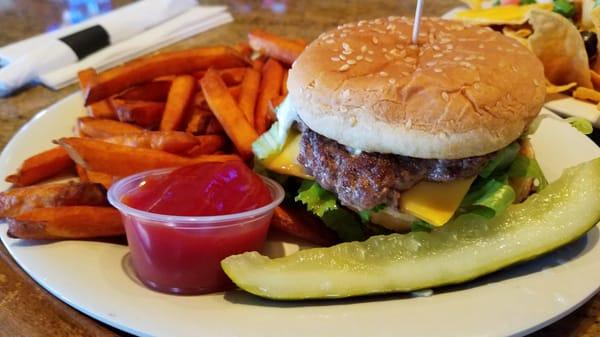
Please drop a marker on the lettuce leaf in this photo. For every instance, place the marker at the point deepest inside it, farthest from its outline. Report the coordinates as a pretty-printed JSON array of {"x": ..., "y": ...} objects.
[
  {"x": 501, "y": 161},
  {"x": 317, "y": 199},
  {"x": 325, "y": 205},
  {"x": 583, "y": 125},
  {"x": 490, "y": 199},
  {"x": 526, "y": 167}
]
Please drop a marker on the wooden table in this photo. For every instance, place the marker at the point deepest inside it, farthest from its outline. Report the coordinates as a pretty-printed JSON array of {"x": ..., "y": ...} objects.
[{"x": 28, "y": 310}]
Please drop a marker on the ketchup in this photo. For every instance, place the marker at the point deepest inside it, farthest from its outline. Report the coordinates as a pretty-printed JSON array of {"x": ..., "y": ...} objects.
[
  {"x": 184, "y": 257},
  {"x": 201, "y": 190}
]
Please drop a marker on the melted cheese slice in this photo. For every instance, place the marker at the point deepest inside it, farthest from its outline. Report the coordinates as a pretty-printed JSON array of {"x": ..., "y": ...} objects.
[
  {"x": 500, "y": 15},
  {"x": 286, "y": 162},
  {"x": 435, "y": 202},
  {"x": 432, "y": 202}
]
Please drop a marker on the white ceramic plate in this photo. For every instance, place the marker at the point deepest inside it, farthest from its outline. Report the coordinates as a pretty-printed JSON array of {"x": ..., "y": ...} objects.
[
  {"x": 93, "y": 276},
  {"x": 571, "y": 107}
]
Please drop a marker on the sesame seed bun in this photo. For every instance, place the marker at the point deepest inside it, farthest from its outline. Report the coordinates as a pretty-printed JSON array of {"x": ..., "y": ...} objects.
[{"x": 462, "y": 91}]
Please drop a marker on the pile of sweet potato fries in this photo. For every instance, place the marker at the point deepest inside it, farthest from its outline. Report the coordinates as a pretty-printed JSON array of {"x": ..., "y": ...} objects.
[{"x": 169, "y": 109}]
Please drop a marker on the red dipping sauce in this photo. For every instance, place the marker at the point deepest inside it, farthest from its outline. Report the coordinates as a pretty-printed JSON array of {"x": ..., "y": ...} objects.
[{"x": 182, "y": 222}]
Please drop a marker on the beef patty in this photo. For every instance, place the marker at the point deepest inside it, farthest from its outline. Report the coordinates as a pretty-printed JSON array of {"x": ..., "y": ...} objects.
[{"x": 363, "y": 181}]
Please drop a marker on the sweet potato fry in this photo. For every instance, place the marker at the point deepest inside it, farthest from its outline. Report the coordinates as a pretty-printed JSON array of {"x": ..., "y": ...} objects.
[
  {"x": 168, "y": 141},
  {"x": 231, "y": 76},
  {"x": 274, "y": 46},
  {"x": 259, "y": 63},
  {"x": 225, "y": 109},
  {"x": 249, "y": 94},
  {"x": 41, "y": 166},
  {"x": 270, "y": 87},
  {"x": 23, "y": 199},
  {"x": 200, "y": 101},
  {"x": 82, "y": 173},
  {"x": 100, "y": 109},
  {"x": 207, "y": 144},
  {"x": 156, "y": 91},
  {"x": 181, "y": 97},
  {"x": 143, "y": 113},
  {"x": 198, "y": 120},
  {"x": 103, "y": 179},
  {"x": 68, "y": 222},
  {"x": 275, "y": 101},
  {"x": 120, "y": 160},
  {"x": 214, "y": 127},
  {"x": 103, "y": 128},
  {"x": 299, "y": 223},
  {"x": 142, "y": 70},
  {"x": 244, "y": 49},
  {"x": 587, "y": 94}
]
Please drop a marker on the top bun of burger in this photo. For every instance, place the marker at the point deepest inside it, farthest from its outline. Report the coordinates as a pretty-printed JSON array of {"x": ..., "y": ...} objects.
[{"x": 461, "y": 91}]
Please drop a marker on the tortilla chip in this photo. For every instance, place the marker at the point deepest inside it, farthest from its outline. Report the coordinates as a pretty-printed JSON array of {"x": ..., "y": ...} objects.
[
  {"x": 587, "y": 94},
  {"x": 520, "y": 35},
  {"x": 557, "y": 43},
  {"x": 473, "y": 4},
  {"x": 586, "y": 21},
  {"x": 555, "y": 89},
  {"x": 595, "y": 79},
  {"x": 500, "y": 15}
]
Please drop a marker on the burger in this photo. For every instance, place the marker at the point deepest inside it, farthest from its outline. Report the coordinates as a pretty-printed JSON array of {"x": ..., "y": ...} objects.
[{"x": 382, "y": 134}]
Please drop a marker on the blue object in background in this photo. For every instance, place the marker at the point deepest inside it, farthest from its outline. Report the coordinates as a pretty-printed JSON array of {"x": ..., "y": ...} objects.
[{"x": 79, "y": 10}]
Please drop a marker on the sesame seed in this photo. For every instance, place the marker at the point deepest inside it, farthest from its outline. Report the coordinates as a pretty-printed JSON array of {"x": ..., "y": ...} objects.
[
  {"x": 514, "y": 67},
  {"x": 466, "y": 64},
  {"x": 437, "y": 70},
  {"x": 392, "y": 81},
  {"x": 481, "y": 46},
  {"x": 536, "y": 82},
  {"x": 457, "y": 58},
  {"x": 363, "y": 48},
  {"x": 375, "y": 40},
  {"x": 410, "y": 59},
  {"x": 359, "y": 57},
  {"x": 477, "y": 86},
  {"x": 438, "y": 55},
  {"x": 470, "y": 57},
  {"x": 481, "y": 58},
  {"x": 343, "y": 35},
  {"x": 413, "y": 47},
  {"x": 370, "y": 52},
  {"x": 346, "y": 52},
  {"x": 384, "y": 50},
  {"x": 351, "y": 62},
  {"x": 390, "y": 27},
  {"x": 345, "y": 45},
  {"x": 335, "y": 59},
  {"x": 378, "y": 21},
  {"x": 430, "y": 64},
  {"x": 387, "y": 57},
  {"x": 383, "y": 74},
  {"x": 368, "y": 59},
  {"x": 342, "y": 57},
  {"x": 436, "y": 47},
  {"x": 450, "y": 47},
  {"x": 402, "y": 53},
  {"x": 399, "y": 46},
  {"x": 405, "y": 73},
  {"x": 344, "y": 67},
  {"x": 445, "y": 96},
  {"x": 329, "y": 41},
  {"x": 444, "y": 40}
]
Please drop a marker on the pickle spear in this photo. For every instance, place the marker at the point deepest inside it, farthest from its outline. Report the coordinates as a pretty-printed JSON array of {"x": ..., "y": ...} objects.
[{"x": 466, "y": 248}]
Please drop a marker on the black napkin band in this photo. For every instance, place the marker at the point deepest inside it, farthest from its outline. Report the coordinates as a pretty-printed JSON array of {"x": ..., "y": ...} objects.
[{"x": 87, "y": 41}]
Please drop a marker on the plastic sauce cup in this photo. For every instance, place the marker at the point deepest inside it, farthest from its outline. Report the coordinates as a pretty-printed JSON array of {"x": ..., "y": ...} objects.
[{"x": 182, "y": 254}]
